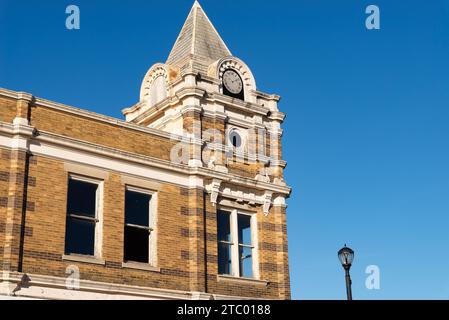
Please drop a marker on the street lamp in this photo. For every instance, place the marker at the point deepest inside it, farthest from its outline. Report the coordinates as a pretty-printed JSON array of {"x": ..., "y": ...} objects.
[{"x": 346, "y": 256}]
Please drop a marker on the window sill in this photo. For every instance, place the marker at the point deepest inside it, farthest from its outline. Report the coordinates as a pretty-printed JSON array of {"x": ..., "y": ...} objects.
[
  {"x": 83, "y": 259},
  {"x": 225, "y": 278},
  {"x": 140, "y": 266}
]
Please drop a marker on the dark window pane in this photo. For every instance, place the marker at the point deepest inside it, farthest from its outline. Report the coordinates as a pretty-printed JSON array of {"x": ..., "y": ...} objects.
[
  {"x": 246, "y": 262},
  {"x": 244, "y": 227},
  {"x": 137, "y": 208},
  {"x": 224, "y": 259},
  {"x": 136, "y": 245},
  {"x": 224, "y": 227},
  {"x": 236, "y": 140},
  {"x": 82, "y": 198},
  {"x": 80, "y": 237}
]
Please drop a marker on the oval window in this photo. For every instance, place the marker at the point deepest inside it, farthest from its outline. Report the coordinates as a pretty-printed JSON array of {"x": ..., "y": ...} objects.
[{"x": 235, "y": 139}]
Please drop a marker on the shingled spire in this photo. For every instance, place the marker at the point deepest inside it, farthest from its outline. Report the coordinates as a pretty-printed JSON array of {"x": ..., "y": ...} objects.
[{"x": 198, "y": 44}]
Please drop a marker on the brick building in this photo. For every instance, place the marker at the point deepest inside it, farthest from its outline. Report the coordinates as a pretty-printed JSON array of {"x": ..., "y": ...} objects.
[{"x": 183, "y": 200}]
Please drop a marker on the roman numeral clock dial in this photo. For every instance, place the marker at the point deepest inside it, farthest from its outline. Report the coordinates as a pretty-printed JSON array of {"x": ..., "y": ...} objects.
[{"x": 233, "y": 84}]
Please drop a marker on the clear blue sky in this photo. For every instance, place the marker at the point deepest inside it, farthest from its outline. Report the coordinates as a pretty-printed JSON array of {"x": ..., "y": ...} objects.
[{"x": 367, "y": 133}]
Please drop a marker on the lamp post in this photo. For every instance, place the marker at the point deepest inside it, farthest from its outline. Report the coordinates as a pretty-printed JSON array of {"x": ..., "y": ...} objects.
[{"x": 346, "y": 256}]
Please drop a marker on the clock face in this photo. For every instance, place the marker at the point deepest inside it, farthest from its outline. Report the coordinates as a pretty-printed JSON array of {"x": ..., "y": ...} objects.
[{"x": 232, "y": 82}]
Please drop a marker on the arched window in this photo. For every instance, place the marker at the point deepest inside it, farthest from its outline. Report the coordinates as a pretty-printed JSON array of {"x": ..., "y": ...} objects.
[{"x": 158, "y": 90}]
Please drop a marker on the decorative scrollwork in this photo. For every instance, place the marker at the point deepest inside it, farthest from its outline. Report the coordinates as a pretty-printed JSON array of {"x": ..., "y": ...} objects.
[{"x": 155, "y": 72}]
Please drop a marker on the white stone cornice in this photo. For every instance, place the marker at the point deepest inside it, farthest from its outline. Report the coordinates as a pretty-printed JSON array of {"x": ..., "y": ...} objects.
[
  {"x": 239, "y": 122},
  {"x": 92, "y": 115},
  {"x": 215, "y": 115},
  {"x": 250, "y": 157},
  {"x": 239, "y": 195},
  {"x": 190, "y": 91},
  {"x": 278, "y": 116},
  {"x": 19, "y": 135},
  {"x": 133, "y": 108},
  {"x": 25, "y": 96},
  {"x": 50, "y": 139},
  {"x": 277, "y": 132},
  {"x": 162, "y": 106},
  {"x": 169, "y": 102},
  {"x": 198, "y": 92},
  {"x": 25, "y": 131},
  {"x": 191, "y": 108},
  {"x": 9, "y": 93},
  {"x": 279, "y": 163},
  {"x": 258, "y": 126},
  {"x": 247, "y": 107},
  {"x": 56, "y": 288},
  {"x": 243, "y": 182},
  {"x": 267, "y": 96}
]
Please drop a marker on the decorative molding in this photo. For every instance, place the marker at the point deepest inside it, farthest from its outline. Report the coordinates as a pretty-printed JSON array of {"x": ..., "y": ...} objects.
[
  {"x": 170, "y": 73},
  {"x": 25, "y": 96},
  {"x": 65, "y": 148},
  {"x": 278, "y": 116},
  {"x": 240, "y": 196},
  {"x": 214, "y": 190},
  {"x": 50, "y": 287},
  {"x": 218, "y": 68},
  {"x": 267, "y": 202}
]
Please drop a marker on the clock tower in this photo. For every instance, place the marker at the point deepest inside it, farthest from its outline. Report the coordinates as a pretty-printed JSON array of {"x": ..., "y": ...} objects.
[
  {"x": 203, "y": 92},
  {"x": 230, "y": 130}
]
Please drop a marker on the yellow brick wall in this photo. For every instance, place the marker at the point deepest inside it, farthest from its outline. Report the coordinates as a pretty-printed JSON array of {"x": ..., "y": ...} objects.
[
  {"x": 7, "y": 109},
  {"x": 101, "y": 133},
  {"x": 4, "y": 184},
  {"x": 181, "y": 217},
  {"x": 44, "y": 246}
]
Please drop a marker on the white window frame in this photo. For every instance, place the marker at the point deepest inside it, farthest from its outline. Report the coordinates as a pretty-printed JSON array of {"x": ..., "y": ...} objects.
[
  {"x": 243, "y": 133},
  {"x": 152, "y": 237},
  {"x": 235, "y": 245},
  {"x": 98, "y": 243}
]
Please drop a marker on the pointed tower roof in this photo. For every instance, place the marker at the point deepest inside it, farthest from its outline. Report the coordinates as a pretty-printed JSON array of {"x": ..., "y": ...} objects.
[{"x": 198, "y": 44}]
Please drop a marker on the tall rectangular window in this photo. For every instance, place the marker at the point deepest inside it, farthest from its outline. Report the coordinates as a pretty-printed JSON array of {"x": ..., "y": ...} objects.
[
  {"x": 138, "y": 226},
  {"x": 83, "y": 217},
  {"x": 245, "y": 246},
  {"x": 224, "y": 243},
  {"x": 236, "y": 250}
]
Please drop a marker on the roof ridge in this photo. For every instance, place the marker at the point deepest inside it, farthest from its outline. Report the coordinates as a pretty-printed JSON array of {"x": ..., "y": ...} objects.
[{"x": 198, "y": 37}]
